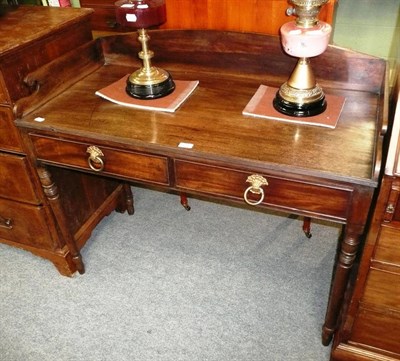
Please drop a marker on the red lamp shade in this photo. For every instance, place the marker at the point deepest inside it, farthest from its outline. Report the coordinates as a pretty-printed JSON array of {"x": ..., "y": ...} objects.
[{"x": 140, "y": 14}]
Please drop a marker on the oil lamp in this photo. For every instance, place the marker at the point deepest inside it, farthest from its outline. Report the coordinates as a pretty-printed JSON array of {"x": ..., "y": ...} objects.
[
  {"x": 148, "y": 82},
  {"x": 303, "y": 38}
]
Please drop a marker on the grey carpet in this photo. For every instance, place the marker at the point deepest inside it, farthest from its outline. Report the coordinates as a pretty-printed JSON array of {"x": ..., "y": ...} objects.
[{"x": 213, "y": 284}]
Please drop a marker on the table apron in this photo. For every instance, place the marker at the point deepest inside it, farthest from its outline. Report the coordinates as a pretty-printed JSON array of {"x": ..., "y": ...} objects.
[{"x": 300, "y": 195}]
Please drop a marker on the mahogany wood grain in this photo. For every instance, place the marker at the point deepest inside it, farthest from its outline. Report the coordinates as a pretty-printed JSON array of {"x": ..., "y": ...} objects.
[
  {"x": 379, "y": 290},
  {"x": 79, "y": 61},
  {"x": 370, "y": 325},
  {"x": 9, "y": 135},
  {"x": 51, "y": 191},
  {"x": 54, "y": 41},
  {"x": 28, "y": 225},
  {"x": 36, "y": 40},
  {"x": 262, "y": 16},
  {"x": 97, "y": 196},
  {"x": 152, "y": 169},
  {"x": 16, "y": 167},
  {"x": 281, "y": 193},
  {"x": 388, "y": 247},
  {"x": 244, "y": 67},
  {"x": 378, "y": 331},
  {"x": 327, "y": 173}
]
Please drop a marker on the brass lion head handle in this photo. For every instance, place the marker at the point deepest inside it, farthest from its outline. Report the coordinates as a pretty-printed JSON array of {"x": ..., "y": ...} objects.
[
  {"x": 257, "y": 182},
  {"x": 95, "y": 161}
]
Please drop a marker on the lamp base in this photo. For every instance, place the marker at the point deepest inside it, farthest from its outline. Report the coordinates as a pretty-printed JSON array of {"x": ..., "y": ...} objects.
[
  {"x": 299, "y": 110},
  {"x": 150, "y": 91}
]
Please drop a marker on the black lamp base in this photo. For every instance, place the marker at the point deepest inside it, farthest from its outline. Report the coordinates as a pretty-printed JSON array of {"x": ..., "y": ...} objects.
[
  {"x": 152, "y": 91},
  {"x": 299, "y": 110}
]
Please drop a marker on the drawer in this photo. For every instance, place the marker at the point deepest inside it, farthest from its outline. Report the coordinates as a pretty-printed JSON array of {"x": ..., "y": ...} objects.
[
  {"x": 9, "y": 137},
  {"x": 377, "y": 330},
  {"x": 15, "y": 181},
  {"x": 382, "y": 290},
  {"x": 283, "y": 193},
  {"x": 3, "y": 91},
  {"x": 117, "y": 163},
  {"x": 392, "y": 209},
  {"x": 24, "y": 224},
  {"x": 103, "y": 17},
  {"x": 388, "y": 246}
]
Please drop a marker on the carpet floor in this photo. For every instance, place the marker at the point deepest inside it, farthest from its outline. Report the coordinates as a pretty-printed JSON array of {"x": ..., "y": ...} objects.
[{"x": 216, "y": 283}]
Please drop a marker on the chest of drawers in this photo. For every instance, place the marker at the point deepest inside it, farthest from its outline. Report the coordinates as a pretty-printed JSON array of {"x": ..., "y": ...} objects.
[
  {"x": 370, "y": 327},
  {"x": 33, "y": 36}
]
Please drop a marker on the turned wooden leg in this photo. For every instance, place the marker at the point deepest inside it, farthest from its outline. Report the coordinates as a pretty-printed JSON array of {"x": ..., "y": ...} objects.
[
  {"x": 51, "y": 192},
  {"x": 348, "y": 249},
  {"x": 126, "y": 203},
  {"x": 129, "y": 199},
  {"x": 307, "y": 227},
  {"x": 184, "y": 201}
]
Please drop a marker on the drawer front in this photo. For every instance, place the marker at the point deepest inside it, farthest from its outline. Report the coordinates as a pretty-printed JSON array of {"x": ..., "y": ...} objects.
[
  {"x": 117, "y": 163},
  {"x": 392, "y": 210},
  {"x": 9, "y": 137},
  {"x": 382, "y": 290},
  {"x": 15, "y": 181},
  {"x": 282, "y": 193},
  {"x": 24, "y": 224},
  {"x": 378, "y": 330},
  {"x": 103, "y": 17},
  {"x": 388, "y": 246},
  {"x": 3, "y": 90}
]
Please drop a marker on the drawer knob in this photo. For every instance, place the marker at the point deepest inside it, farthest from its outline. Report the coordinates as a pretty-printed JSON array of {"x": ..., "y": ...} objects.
[
  {"x": 95, "y": 161},
  {"x": 112, "y": 23},
  {"x": 6, "y": 222},
  {"x": 257, "y": 182},
  {"x": 390, "y": 208}
]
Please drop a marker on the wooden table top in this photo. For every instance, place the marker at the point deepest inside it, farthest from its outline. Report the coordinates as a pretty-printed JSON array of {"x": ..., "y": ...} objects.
[
  {"x": 211, "y": 118},
  {"x": 42, "y": 20}
]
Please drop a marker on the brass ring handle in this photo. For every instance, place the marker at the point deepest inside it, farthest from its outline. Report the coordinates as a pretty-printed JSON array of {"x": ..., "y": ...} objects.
[
  {"x": 95, "y": 161},
  {"x": 256, "y": 181},
  {"x": 253, "y": 203}
]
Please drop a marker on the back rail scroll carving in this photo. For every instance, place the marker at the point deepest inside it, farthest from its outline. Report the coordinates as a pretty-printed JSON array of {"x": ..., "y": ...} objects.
[{"x": 58, "y": 75}]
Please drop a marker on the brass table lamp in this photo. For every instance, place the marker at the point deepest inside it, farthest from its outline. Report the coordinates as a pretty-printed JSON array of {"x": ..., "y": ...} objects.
[
  {"x": 304, "y": 38},
  {"x": 148, "y": 82}
]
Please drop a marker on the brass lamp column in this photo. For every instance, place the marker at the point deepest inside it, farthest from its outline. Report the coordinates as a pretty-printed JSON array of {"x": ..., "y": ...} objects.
[
  {"x": 148, "y": 82},
  {"x": 304, "y": 38}
]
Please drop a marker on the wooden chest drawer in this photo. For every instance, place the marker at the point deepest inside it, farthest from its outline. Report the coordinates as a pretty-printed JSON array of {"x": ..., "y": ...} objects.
[
  {"x": 388, "y": 246},
  {"x": 117, "y": 163},
  {"x": 24, "y": 224},
  {"x": 15, "y": 181},
  {"x": 377, "y": 330},
  {"x": 382, "y": 289},
  {"x": 392, "y": 209},
  {"x": 282, "y": 193},
  {"x": 9, "y": 137},
  {"x": 104, "y": 16}
]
